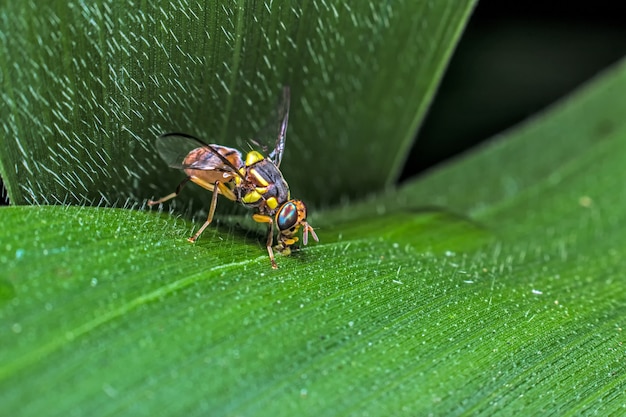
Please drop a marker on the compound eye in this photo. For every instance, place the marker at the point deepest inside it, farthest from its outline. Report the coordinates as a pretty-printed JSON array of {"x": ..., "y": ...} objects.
[{"x": 287, "y": 216}]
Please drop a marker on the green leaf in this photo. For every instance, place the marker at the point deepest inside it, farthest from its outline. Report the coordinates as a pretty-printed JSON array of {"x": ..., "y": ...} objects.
[
  {"x": 405, "y": 310},
  {"x": 86, "y": 87}
]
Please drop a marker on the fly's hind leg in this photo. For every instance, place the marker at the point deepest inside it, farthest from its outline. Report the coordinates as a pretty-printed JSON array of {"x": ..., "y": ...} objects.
[
  {"x": 170, "y": 196},
  {"x": 218, "y": 187},
  {"x": 260, "y": 218}
]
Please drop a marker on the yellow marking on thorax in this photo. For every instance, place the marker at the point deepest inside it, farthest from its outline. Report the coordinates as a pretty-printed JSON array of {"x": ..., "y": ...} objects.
[
  {"x": 259, "y": 177},
  {"x": 251, "y": 197},
  {"x": 253, "y": 157},
  {"x": 272, "y": 203}
]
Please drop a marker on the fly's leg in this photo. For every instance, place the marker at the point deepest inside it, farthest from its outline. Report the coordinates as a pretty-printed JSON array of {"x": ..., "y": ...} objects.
[
  {"x": 260, "y": 218},
  {"x": 170, "y": 196},
  {"x": 217, "y": 188},
  {"x": 268, "y": 244}
]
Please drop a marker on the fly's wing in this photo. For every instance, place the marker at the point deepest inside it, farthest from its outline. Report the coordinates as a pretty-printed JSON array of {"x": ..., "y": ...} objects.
[
  {"x": 276, "y": 129},
  {"x": 283, "y": 119},
  {"x": 186, "y": 152}
]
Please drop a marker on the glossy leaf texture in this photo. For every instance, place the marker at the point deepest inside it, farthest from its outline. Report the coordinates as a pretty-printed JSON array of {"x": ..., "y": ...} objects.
[
  {"x": 492, "y": 286},
  {"x": 87, "y": 87}
]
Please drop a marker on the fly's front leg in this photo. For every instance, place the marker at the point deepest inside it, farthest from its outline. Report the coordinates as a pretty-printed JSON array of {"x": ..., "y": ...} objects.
[
  {"x": 260, "y": 218},
  {"x": 170, "y": 196}
]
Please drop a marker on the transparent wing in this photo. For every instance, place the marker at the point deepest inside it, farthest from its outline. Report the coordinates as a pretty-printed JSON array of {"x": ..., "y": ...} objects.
[
  {"x": 183, "y": 151},
  {"x": 275, "y": 129},
  {"x": 283, "y": 119}
]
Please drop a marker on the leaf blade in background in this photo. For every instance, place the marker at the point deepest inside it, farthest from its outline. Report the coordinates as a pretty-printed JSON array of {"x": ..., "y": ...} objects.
[{"x": 79, "y": 114}]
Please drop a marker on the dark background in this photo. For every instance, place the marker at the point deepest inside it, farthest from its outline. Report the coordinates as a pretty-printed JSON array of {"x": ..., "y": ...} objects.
[{"x": 514, "y": 59}]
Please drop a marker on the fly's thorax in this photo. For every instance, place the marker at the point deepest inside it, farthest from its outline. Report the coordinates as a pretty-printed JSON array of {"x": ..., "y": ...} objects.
[{"x": 262, "y": 185}]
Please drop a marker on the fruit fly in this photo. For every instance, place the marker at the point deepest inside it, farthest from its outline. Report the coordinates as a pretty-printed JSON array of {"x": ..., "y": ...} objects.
[{"x": 255, "y": 182}]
